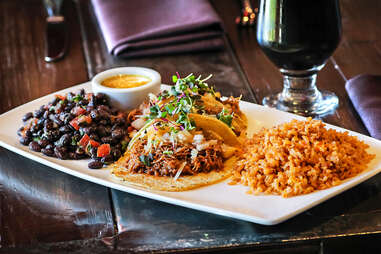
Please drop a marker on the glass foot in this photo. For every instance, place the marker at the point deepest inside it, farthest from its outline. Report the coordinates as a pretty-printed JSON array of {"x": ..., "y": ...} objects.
[{"x": 325, "y": 104}]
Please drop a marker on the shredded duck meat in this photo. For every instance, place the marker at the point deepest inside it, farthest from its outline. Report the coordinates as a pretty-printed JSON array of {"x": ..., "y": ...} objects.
[{"x": 167, "y": 160}]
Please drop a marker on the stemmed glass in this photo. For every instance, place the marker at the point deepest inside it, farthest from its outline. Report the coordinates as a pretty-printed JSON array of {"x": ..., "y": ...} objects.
[{"x": 298, "y": 36}]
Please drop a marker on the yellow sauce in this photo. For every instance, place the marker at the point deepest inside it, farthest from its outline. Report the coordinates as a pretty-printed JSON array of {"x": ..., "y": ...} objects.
[{"x": 125, "y": 81}]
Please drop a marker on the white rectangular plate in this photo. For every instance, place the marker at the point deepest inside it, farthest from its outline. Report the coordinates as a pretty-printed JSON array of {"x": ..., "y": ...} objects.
[{"x": 221, "y": 198}]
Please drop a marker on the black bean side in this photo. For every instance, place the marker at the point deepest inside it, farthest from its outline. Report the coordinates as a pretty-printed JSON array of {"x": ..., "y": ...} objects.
[{"x": 95, "y": 164}]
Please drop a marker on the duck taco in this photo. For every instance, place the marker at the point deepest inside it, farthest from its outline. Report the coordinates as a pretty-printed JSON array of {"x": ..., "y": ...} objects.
[{"x": 176, "y": 144}]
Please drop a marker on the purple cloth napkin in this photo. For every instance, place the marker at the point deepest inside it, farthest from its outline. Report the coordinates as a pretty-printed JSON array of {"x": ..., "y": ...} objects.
[
  {"x": 365, "y": 93},
  {"x": 134, "y": 28}
]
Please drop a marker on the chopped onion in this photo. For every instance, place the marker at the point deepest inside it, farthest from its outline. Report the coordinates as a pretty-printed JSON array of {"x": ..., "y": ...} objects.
[
  {"x": 194, "y": 153},
  {"x": 198, "y": 138},
  {"x": 138, "y": 123},
  {"x": 152, "y": 97},
  {"x": 180, "y": 170},
  {"x": 206, "y": 144}
]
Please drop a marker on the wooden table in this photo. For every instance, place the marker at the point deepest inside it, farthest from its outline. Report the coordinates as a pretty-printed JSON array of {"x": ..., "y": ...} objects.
[{"x": 43, "y": 210}]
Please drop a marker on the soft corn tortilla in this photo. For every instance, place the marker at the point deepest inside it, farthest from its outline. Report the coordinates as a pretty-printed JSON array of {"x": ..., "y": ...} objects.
[
  {"x": 210, "y": 124},
  {"x": 213, "y": 129},
  {"x": 165, "y": 183}
]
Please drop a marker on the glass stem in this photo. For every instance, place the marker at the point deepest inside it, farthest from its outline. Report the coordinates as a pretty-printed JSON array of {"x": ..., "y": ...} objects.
[{"x": 300, "y": 90}]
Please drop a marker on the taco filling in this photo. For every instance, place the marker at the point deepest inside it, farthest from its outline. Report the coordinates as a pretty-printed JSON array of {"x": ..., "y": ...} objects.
[
  {"x": 183, "y": 157},
  {"x": 182, "y": 139}
]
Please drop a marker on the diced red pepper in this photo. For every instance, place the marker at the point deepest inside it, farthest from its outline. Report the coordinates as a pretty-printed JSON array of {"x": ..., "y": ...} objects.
[
  {"x": 74, "y": 123},
  {"x": 78, "y": 111},
  {"x": 94, "y": 143},
  {"x": 130, "y": 129},
  {"x": 103, "y": 150},
  {"x": 84, "y": 141},
  {"x": 61, "y": 97}
]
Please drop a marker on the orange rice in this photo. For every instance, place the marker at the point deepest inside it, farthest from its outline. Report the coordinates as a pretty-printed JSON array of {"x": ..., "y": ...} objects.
[{"x": 299, "y": 157}]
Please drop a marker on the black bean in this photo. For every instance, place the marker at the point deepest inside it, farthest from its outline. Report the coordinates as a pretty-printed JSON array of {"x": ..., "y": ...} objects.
[
  {"x": 34, "y": 146},
  {"x": 70, "y": 96},
  {"x": 25, "y": 140},
  {"x": 114, "y": 111},
  {"x": 43, "y": 143},
  {"x": 48, "y": 152},
  {"x": 41, "y": 121},
  {"x": 83, "y": 102},
  {"x": 48, "y": 124},
  {"x": 64, "y": 140},
  {"x": 104, "y": 108},
  {"x": 40, "y": 133},
  {"x": 101, "y": 131},
  {"x": 88, "y": 130},
  {"x": 68, "y": 118},
  {"x": 117, "y": 133},
  {"x": 55, "y": 134},
  {"x": 103, "y": 122},
  {"x": 28, "y": 133},
  {"x": 61, "y": 152},
  {"x": 48, "y": 135},
  {"x": 49, "y": 147},
  {"x": 107, "y": 140},
  {"x": 104, "y": 114},
  {"x": 119, "y": 121},
  {"x": 94, "y": 137},
  {"x": 108, "y": 159},
  {"x": 116, "y": 153},
  {"x": 94, "y": 115},
  {"x": 46, "y": 115},
  {"x": 38, "y": 113},
  {"x": 68, "y": 107},
  {"x": 94, "y": 164},
  {"x": 35, "y": 128},
  {"x": 58, "y": 121},
  {"x": 64, "y": 129},
  {"x": 20, "y": 131},
  {"x": 27, "y": 116}
]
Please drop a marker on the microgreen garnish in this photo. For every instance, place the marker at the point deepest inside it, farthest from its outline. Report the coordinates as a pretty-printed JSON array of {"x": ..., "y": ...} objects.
[
  {"x": 184, "y": 97},
  {"x": 168, "y": 152},
  {"x": 225, "y": 117},
  {"x": 77, "y": 98}
]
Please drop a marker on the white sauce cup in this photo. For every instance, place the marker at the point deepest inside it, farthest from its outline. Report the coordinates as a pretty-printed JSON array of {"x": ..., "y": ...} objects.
[{"x": 127, "y": 98}]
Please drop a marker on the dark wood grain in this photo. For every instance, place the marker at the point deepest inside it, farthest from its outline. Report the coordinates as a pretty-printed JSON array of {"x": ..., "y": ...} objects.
[
  {"x": 40, "y": 206},
  {"x": 24, "y": 75},
  {"x": 43, "y": 210}
]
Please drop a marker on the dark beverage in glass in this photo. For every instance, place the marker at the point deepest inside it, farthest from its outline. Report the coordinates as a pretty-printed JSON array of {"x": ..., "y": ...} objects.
[{"x": 298, "y": 36}]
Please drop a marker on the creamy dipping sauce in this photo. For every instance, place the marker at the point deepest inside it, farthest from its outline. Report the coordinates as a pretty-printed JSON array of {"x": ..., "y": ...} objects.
[{"x": 125, "y": 81}]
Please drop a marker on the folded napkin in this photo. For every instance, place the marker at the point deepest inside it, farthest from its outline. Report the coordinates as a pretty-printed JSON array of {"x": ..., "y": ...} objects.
[
  {"x": 134, "y": 28},
  {"x": 365, "y": 93}
]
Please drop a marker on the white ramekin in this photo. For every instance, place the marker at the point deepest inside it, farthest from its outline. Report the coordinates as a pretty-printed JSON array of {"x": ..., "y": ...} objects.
[{"x": 127, "y": 98}]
